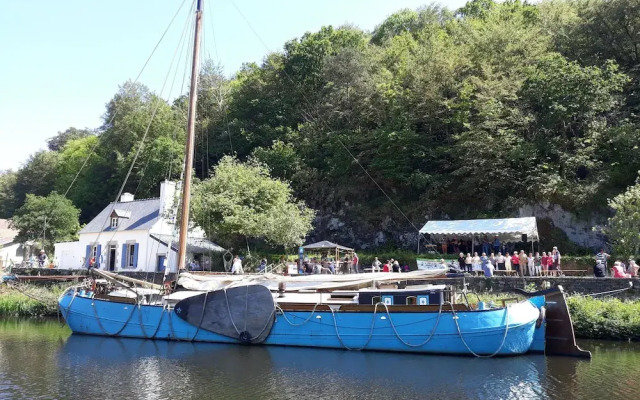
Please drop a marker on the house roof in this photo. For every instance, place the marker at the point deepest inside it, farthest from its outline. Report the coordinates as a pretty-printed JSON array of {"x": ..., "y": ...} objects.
[
  {"x": 141, "y": 214},
  {"x": 194, "y": 244},
  {"x": 7, "y": 234}
]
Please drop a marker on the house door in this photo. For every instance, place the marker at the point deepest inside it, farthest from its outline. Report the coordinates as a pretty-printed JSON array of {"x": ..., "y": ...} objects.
[
  {"x": 161, "y": 263},
  {"x": 112, "y": 257}
]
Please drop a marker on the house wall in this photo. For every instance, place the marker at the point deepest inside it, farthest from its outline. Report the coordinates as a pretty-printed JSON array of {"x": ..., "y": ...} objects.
[
  {"x": 72, "y": 255},
  {"x": 68, "y": 255},
  {"x": 13, "y": 252}
]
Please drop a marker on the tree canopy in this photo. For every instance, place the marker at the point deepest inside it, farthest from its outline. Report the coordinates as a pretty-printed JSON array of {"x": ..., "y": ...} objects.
[
  {"x": 241, "y": 200},
  {"x": 52, "y": 218},
  {"x": 461, "y": 113}
]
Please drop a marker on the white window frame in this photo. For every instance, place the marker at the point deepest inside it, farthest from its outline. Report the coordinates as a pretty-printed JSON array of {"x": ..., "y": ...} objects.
[
  {"x": 94, "y": 252},
  {"x": 131, "y": 248},
  {"x": 114, "y": 222}
]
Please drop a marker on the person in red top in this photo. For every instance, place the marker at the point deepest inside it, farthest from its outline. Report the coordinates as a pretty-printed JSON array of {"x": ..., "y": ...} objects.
[
  {"x": 544, "y": 261},
  {"x": 385, "y": 267},
  {"x": 515, "y": 262}
]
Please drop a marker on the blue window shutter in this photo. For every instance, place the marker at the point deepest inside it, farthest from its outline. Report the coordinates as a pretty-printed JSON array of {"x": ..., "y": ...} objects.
[
  {"x": 87, "y": 258},
  {"x": 123, "y": 257},
  {"x": 98, "y": 255},
  {"x": 135, "y": 255}
]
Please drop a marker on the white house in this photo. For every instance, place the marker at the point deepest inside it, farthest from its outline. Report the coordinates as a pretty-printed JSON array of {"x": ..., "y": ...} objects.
[
  {"x": 134, "y": 235},
  {"x": 11, "y": 252}
]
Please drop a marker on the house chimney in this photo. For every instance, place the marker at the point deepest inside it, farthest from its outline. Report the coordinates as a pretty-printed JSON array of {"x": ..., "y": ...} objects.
[
  {"x": 126, "y": 197},
  {"x": 167, "y": 194}
]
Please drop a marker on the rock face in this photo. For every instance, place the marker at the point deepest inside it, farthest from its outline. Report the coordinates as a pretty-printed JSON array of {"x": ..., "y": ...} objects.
[
  {"x": 340, "y": 227},
  {"x": 578, "y": 230}
]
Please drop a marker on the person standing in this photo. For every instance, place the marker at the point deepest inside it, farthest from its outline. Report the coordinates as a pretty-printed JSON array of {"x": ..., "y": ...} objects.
[
  {"x": 461, "y": 261},
  {"x": 477, "y": 267},
  {"x": 492, "y": 260},
  {"x": 531, "y": 265},
  {"x": 501, "y": 262},
  {"x": 507, "y": 261},
  {"x": 485, "y": 244},
  {"x": 42, "y": 258},
  {"x": 600, "y": 269},
  {"x": 633, "y": 268},
  {"x": 468, "y": 260},
  {"x": 375, "y": 266},
  {"x": 487, "y": 267},
  {"x": 356, "y": 260},
  {"x": 496, "y": 244},
  {"x": 515, "y": 262},
  {"x": 556, "y": 260},
  {"x": 537, "y": 264},
  {"x": 395, "y": 266},
  {"x": 236, "y": 267},
  {"x": 524, "y": 270}
]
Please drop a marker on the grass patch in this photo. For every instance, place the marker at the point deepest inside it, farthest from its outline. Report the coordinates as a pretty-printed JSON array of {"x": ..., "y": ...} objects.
[{"x": 30, "y": 300}]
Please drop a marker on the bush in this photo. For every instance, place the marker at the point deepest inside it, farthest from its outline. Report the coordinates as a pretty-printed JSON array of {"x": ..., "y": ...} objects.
[{"x": 605, "y": 318}]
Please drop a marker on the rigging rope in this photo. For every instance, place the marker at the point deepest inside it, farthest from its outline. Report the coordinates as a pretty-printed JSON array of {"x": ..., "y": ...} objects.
[{"x": 93, "y": 148}]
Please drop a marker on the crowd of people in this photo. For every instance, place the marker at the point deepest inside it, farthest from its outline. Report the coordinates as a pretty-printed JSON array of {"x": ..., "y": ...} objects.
[
  {"x": 532, "y": 264},
  {"x": 619, "y": 269},
  {"x": 390, "y": 265},
  {"x": 347, "y": 264},
  {"x": 478, "y": 245}
]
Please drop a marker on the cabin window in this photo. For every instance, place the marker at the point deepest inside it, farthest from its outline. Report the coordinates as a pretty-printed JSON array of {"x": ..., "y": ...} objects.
[
  {"x": 114, "y": 222},
  {"x": 412, "y": 300},
  {"x": 94, "y": 252},
  {"x": 131, "y": 253},
  {"x": 375, "y": 300}
]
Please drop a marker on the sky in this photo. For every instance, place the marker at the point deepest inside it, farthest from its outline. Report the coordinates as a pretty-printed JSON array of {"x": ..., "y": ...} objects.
[{"x": 62, "y": 61}]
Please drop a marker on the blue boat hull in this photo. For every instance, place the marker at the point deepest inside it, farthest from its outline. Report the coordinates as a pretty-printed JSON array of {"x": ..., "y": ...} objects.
[{"x": 505, "y": 331}]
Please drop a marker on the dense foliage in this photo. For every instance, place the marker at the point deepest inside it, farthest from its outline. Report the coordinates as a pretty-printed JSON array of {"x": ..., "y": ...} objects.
[
  {"x": 623, "y": 228},
  {"x": 466, "y": 113},
  {"x": 241, "y": 200},
  {"x": 46, "y": 220},
  {"x": 605, "y": 318}
]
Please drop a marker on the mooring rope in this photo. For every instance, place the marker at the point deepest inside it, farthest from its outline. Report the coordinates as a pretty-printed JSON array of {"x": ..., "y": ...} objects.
[{"x": 504, "y": 337}]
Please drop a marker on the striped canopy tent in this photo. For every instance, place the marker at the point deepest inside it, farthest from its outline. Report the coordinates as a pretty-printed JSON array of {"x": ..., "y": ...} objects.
[{"x": 507, "y": 229}]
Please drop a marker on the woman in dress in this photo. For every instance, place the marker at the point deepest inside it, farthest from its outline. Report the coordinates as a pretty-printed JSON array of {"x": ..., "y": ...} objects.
[
  {"x": 476, "y": 263},
  {"x": 507, "y": 261}
]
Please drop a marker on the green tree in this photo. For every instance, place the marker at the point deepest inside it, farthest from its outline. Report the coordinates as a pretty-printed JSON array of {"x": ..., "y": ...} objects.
[
  {"x": 623, "y": 229},
  {"x": 7, "y": 193},
  {"x": 53, "y": 218},
  {"x": 57, "y": 142},
  {"x": 241, "y": 200},
  {"x": 37, "y": 176}
]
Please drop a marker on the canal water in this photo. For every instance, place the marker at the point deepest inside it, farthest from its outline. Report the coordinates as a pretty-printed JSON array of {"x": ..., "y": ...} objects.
[{"x": 42, "y": 360}]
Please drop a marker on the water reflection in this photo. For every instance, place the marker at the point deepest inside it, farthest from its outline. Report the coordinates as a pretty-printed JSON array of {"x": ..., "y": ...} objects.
[
  {"x": 43, "y": 361},
  {"x": 276, "y": 372}
]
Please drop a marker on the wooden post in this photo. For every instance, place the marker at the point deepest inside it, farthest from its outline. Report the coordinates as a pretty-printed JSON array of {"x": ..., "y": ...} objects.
[{"x": 188, "y": 159}]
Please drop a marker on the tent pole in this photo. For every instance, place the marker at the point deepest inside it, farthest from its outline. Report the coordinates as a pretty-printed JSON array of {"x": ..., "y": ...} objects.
[{"x": 418, "y": 251}]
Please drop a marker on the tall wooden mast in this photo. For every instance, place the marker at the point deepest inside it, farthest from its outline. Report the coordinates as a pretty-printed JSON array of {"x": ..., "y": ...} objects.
[{"x": 188, "y": 158}]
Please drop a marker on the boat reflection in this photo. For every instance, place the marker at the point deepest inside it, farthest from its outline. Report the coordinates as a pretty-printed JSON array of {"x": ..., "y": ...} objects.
[{"x": 192, "y": 369}]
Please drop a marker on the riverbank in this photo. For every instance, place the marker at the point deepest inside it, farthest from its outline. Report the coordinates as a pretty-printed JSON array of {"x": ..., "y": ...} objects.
[{"x": 29, "y": 300}]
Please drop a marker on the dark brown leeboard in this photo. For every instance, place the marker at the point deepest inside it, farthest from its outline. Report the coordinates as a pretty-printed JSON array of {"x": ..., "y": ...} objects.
[
  {"x": 244, "y": 312},
  {"x": 560, "y": 337}
]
